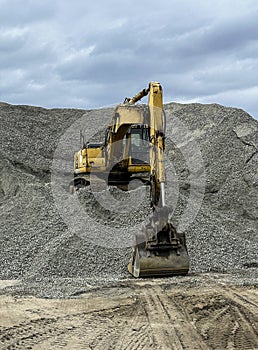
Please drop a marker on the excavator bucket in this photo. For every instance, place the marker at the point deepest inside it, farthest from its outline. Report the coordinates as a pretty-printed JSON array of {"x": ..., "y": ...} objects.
[
  {"x": 159, "y": 252},
  {"x": 143, "y": 263}
]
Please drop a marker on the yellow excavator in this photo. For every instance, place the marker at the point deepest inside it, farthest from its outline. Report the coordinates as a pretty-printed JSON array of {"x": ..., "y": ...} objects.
[{"x": 134, "y": 149}]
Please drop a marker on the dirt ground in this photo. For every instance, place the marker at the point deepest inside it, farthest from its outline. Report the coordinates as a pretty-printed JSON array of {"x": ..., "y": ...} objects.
[{"x": 204, "y": 312}]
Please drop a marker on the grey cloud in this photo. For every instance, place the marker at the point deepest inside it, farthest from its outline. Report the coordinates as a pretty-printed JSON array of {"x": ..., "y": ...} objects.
[
  {"x": 11, "y": 41},
  {"x": 216, "y": 38},
  {"x": 230, "y": 34},
  {"x": 89, "y": 54},
  {"x": 25, "y": 51},
  {"x": 21, "y": 13}
]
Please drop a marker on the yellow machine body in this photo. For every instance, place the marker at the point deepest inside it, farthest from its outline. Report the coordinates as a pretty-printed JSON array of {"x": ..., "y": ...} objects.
[{"x": 134, "y": 147}]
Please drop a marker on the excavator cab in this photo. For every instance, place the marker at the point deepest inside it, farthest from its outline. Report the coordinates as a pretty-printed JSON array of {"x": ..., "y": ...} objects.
[{"x": 140, "y": 145}]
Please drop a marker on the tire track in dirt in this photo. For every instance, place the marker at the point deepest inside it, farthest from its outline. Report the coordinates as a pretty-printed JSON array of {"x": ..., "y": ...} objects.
[
  {"x": 246, "y": 298},
  {"x": 94, "y": 329},
  {"x": 115, "y": 330},
  {"x": 189, "y": 336},
  {"x": 135, "y": 333},
  {"x": 98, "y": 330},
  {"x": 146, "y": 315},
  {"x": 244, "y": 334},
  {"x": 163, "y": 333},
  {"x": 223, "y": 317},
  {"x": 168, "y": 327},
  {"x": 135, "y": 336},
  {"x": 24, "y": 335},
  {"x": 243, "y": 313},
  {"x": 126, "y": 329}
]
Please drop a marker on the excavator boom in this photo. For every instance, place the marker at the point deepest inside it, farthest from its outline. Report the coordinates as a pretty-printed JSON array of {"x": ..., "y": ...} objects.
[{"x": 159, "y": 249}]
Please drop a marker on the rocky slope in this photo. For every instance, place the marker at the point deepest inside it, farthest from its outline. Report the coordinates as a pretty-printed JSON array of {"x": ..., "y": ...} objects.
[{"x": 212, "y": 171}]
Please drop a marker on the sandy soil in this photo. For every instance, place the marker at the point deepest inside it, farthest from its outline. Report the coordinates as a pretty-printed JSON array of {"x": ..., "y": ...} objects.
[{"x": 206, "y": 311}]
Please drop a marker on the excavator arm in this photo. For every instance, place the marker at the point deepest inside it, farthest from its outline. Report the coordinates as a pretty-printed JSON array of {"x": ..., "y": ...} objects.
[
  {"x": 157, "y": 144},
  {"x": 157, "y": 140},
  {"x": 159, "y": 249}
]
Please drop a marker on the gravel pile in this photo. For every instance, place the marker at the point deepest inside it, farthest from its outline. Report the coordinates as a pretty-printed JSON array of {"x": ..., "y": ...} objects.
[{"x": 212, "y": 164}]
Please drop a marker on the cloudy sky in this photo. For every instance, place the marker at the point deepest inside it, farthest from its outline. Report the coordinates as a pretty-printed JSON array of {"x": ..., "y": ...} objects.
[{"x": 88, "y": 54}]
